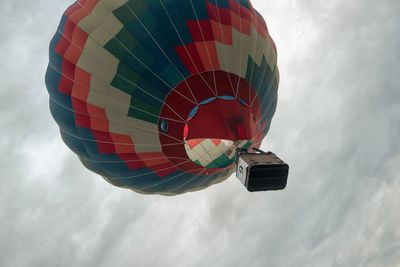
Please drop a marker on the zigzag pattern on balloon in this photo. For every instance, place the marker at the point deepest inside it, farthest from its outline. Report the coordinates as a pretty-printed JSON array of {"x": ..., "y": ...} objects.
[{"x": 117, "y": 68}]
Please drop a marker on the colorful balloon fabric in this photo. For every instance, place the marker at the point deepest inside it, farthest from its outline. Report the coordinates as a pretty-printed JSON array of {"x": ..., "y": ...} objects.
[{"x": 156, "y": 95}]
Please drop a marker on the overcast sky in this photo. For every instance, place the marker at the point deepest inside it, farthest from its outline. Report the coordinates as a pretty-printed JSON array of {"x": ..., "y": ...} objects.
[{"x": 337, "y": 125}]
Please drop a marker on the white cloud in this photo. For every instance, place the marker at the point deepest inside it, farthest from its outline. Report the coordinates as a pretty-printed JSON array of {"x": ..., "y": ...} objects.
[{"x": 336, "y": 124}]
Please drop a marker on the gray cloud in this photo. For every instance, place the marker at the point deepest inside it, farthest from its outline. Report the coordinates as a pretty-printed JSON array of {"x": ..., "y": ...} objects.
[{"x": 337, "y": 125}]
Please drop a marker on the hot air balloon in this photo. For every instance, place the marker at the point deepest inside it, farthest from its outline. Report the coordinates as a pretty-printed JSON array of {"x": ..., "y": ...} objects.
[{"x": 157, "y": 96}]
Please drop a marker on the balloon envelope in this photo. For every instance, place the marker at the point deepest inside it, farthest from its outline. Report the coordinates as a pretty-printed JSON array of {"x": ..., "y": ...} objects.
[{"x": 155, "y": 96}]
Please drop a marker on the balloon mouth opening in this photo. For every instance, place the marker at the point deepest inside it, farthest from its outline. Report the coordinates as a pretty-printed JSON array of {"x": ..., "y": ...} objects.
[
  {"x": 214, "y": 153},
  {"x": 214, "y": 129}
]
